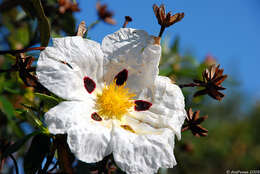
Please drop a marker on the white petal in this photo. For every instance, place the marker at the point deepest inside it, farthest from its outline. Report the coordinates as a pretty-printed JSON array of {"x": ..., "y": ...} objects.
[
  {"x": 168, "y": 107},
  {"x": 88, "y": 139},
  {"x": 143, "y": 154},
  {"x": 135, "y": 51},
  {"x": 86, "y": 59}
]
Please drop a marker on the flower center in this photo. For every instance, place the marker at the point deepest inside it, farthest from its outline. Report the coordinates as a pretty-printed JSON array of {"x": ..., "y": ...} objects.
[{"x": 114, "y": 101}]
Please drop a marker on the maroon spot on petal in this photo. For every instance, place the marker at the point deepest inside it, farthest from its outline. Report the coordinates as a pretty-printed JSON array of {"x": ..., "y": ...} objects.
[
  {"x": 141, "y": 105},
  {"x": 127, "y": 127},
  {"x": 96, "y": 117},
  {"x": 89, "y": 84},
  {"x": 121, "y": 77}
]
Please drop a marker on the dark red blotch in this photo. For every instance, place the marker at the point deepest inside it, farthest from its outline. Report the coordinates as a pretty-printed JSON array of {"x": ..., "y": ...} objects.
[
  {"x": 121, "y": 77},
  {"x": 141, "y": 105},
  {"x": 89, "y": 84},
  {"x": 96, "y": 117}
]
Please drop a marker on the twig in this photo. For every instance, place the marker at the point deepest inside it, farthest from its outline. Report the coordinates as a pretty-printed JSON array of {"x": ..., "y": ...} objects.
[
  {"x": 161, "y": 31},
  {"x": 91, "y": 26},
  {"x": 7, "y": 70},
  {"x": 15, "y": 164},
  {"x": 7, "y": 5},
  {"x": 188, "y": 85},
  {"x": 2, "y": 164},
  {"x": 21, "y": 51}
]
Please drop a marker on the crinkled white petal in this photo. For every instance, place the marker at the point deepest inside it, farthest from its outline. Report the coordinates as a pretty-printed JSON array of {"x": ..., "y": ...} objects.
[
  {"x": 88, "y": 139},
  {"x": 135, "y": 51},
  {"x": 152, "y": 145},
  {"x": 143, "y": 154},
  {"x": 85, "y": 57},
  {"x": 168, "y": 107}
]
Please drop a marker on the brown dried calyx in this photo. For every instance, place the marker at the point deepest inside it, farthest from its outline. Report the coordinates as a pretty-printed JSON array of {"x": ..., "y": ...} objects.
[
  {"x": 166, "y": 20},
  {"x": 27, "y": 72},
  {"x": 193, "y": 122},
  {"x": 67, "y": 5},
  {"x": 127, "y": 20},
  {"x": 212, "y": 79},
  {"x": 104, "y": 14}
]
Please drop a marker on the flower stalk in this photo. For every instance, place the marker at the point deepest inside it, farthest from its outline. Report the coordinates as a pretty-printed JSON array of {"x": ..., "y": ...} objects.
[
  {"x": 92, "y": 25},
  {"x": 188, "y": 85}
]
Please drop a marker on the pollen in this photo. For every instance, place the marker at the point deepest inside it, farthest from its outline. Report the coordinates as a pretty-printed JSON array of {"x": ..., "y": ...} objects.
[{"x": 114, "y": 101}]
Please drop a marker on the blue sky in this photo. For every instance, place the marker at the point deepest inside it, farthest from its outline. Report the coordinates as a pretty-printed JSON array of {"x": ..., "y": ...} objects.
[{"x": 229, "y": 30}]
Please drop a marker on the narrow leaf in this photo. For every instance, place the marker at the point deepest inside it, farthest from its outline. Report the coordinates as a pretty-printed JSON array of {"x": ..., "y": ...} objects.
[
  {"x": 18, "y": 144},
  {"x": 49, "y": 101},
  {"x": 43, "y": 23},
  {"x": 38, "y": 150},
  {"x": 33, "y": 8},
  {"x": 8, "y": 109},
  {"x": 47, "y": 97}
]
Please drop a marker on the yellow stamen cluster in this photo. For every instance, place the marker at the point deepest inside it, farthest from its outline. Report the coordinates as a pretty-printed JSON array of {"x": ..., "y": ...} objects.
[{"x": 114, "y": 101}]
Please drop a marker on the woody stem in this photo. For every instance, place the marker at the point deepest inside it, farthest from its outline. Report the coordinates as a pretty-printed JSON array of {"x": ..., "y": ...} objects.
[
  {"x": 188, "y": 85},
  {"x": 92, "y": 26},
  {"x": 125, "y": 24},
  {"x": 21, "y": 51},
  {"x": 161, "y": 30}
]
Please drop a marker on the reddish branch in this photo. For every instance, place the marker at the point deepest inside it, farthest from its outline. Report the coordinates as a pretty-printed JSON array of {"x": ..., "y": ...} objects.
[
  {"x": 188, "y": 85},
  {"x": 13, "y": 52}
]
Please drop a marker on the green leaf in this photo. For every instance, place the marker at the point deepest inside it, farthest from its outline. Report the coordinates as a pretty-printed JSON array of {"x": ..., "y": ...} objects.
[
  {"x": 18, "y": 144},
  {"x": 33, "y": 119},
  {"x": 21, "y": 113},
  {"x": 28, "y": 8},
  {"x": 67, "y": 23},
  {"x": 43, "y": 23},
  {"x": 44, "y": 27},
  {"x": 8, "y": 110},
  {"x": 49, "y": 101},
  {"x": 38, "y": 150},
  {"x": 7, "y": 107},
  {"x": 166, "y": 71},
  {"x": 34, "y": 8},
  {"x": 175, "y": 45},
  {"x": 13, "y": 91},
  {"x": 47, "y": 97}
]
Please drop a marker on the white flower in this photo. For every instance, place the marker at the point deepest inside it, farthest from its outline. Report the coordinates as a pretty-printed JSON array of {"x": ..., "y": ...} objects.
[{"x": 116, "y": 102}]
